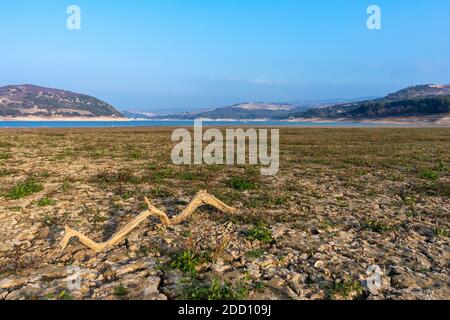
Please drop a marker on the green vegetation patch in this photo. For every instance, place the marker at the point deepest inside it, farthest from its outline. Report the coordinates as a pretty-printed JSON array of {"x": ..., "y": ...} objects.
[
  {"x": 45, "y": 202},
  {"x": 241, "y": 184},
  {"x": 260, "y": 232},
  {"x": 434, "y": 188},
  {"x": 430, "y": 175},
  {"x": 186, "y": 261},
  {"x": 120, "y": 291},
  {"x": 216, "y": 290},
  {"x": 257, "y": 253},
  {"x": 345, "y": 289},
  {"x": 50, "y": 220},
  {"x": 4, "y": 155},
  {"x": 25, "y": 188},
  {"x": 442, "y": 232},
  {"x": 376, "y": 226},
  {"x": 5, "y": 172}
]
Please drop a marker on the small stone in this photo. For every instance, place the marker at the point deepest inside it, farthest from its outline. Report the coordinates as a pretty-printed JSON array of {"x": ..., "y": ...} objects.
[
  {"x": 278, "y": 231},
  {"x": 220, "y": 267},
  {"x": 50, "y": 273},
  {"x": 3, "y": 294},
  {"x": 253, "y": 270},
  {"x": 130, "y": 268},
  {"x": 43, "y": 233},
  {"x": 319, "y": 264},
  {"x": 133, "y": 237},
  {"x": 426, "y": 232},
  {"x": 151, "y": 289},
  {"x": 276, "y": 282},
  {"x": 172, "y": 277},
  {"x": 265, "y": 262},
  {"x": 13, "y": 283},
  {"x": 108, "y": 275},
  {"x": 296, "y": 282},
  {"x": 304, "y": 257}
]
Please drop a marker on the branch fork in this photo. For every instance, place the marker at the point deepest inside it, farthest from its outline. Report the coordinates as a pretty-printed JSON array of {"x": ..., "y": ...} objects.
[{"x": 202, "y": 198}]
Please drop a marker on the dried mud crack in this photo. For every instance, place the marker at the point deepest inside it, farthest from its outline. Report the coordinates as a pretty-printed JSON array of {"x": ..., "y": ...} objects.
[{"x": 344, "y": 200}]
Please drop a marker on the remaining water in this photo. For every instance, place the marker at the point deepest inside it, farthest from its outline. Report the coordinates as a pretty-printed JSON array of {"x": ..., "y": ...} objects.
[{"x": 138, "y": 123}]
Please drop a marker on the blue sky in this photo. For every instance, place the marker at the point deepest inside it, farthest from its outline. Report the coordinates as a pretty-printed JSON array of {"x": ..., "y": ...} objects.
[{"x": 188, "y": 54}]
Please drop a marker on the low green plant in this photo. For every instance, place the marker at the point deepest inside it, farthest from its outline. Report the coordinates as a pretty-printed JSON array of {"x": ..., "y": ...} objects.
[
  {"x": 45, "y": 202},
  {"x": 216, "y": 290},
  {"x": 409, "y": 200},
  {"x": 241, "y": 184},
  {"x": 256, "y": 253},
  {"x": 5, "y": 172},
  {"x": 120, "y": 291},
  {"x": 430, "y": 175},
  {"x": 412, "y": 214},
  {"x": 161, "y": 192},
  {"x": 259, "y": 285},
  {"x": 435, "y": 188},
  {"x": 376, "y": 226},
  {"x": 345, "y": 289},
  {"x": 24, "y": 189},
  {"x": 49, "y": 220},
  {"x": 442, "y": 232},
  {"x": 260, "y": 232},
  {"x": 165, "y": 173},
  {"x": 120, "y": 176},
  {"x": 135, "y": 154},
  {"x": 280, "y": 200},
  {"x": 66, "y": 184},
  {"x": 188, "y": 176},
  {"x": 64, "y": 295},
  {"x": 186, "y": 233},
  {"x": 186, "y": 261},
  {"x": 4, "y": 144},
  {"x": 143, "y": 251},
  {"x": 4, "y": 156}
]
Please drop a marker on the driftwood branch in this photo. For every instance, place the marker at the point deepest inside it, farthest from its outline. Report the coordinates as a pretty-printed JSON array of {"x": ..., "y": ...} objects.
[{"x": 201, "y": 199}]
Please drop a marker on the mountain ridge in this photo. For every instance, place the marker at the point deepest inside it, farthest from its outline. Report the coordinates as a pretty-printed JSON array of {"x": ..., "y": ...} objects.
[
  {"x": 421, "y": 100},
  {"x": 32, "y": 101},
  {"x": 35, "y": 102}
]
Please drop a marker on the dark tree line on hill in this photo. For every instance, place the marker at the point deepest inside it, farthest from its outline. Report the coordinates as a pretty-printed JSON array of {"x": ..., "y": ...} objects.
[{"x": 381, "y": 108}]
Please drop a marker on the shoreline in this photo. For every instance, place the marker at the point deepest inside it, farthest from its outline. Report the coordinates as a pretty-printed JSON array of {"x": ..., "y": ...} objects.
[
  {"x": 413, "y": 121},
  {"x": 68, "y": 119},
  {"x": 410, "y": 120}
]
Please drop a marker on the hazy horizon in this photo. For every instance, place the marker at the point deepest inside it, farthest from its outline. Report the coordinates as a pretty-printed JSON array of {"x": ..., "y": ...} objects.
[{"x": 185, "y": 55}]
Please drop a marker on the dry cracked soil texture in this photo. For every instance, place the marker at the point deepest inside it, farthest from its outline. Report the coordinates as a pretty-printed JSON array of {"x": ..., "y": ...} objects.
[{"x": 344, "y": 200}]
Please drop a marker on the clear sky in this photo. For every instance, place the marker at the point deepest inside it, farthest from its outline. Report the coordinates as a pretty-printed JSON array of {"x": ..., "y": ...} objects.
[{"x": 189, "y": 54}]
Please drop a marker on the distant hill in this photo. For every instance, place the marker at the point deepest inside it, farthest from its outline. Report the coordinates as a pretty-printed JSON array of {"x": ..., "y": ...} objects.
[
  {"x": 242, "y": 111},
  {"x": 22, "y": 101},
  {"x": 248, "y": 110},
  {"x": 421, "y": 91},
  {"x": 420, "y": 100}
]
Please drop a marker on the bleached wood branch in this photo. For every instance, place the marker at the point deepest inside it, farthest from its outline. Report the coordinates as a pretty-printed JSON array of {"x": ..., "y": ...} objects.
[{"x": 201, "y": 199}]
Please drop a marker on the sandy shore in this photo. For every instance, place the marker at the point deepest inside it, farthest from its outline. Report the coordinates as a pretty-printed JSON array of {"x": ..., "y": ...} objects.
[
  {"x": 439, "y": 121},
  {"x": 63, "y": 119},
  {"x": 413, "y": 120}
]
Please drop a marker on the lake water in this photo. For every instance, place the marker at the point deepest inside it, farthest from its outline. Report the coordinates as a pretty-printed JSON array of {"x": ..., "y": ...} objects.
[{"x": 139, "y": 123}]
